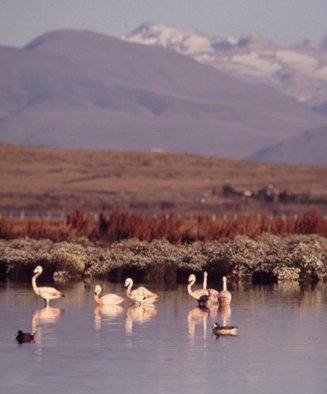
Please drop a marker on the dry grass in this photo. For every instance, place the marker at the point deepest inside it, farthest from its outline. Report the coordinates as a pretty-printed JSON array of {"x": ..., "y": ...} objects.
[{"x": 62, "y": 180}]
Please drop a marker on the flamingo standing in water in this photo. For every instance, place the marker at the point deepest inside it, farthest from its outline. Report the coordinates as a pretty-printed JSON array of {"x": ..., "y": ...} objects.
[
  {"x": 107, "y": 299},
  {"x": 225, "y": 296},
  {"x": 213, "y": 293},
  {"x": 200, "y": 295},
  {"x": 45, "y": 292},
  {"x": 141, "y": 295}
]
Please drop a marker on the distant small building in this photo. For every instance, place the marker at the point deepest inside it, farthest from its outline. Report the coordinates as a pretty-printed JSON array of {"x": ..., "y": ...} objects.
[
  {"x": 267, "y": 193},
  {"x": 248, "y": 193}
]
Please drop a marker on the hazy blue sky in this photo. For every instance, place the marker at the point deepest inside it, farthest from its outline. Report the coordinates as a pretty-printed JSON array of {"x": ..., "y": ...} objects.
[{"x": 283, "y": 21}]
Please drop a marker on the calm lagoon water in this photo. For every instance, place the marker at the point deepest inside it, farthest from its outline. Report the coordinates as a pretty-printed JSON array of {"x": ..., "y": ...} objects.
[{"x": 166, "y": 348}]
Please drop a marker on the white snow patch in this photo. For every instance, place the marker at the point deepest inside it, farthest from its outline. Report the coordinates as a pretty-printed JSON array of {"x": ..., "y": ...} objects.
[
  {"x": 256, "y": 60},
  {"x": 185, "y": 41},
  {"x": 297, "y": 60},
  {"x": 255, "y": 64}
]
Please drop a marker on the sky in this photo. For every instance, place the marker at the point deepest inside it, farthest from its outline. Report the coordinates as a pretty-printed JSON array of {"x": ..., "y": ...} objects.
[{"x": 286, "y": 22}]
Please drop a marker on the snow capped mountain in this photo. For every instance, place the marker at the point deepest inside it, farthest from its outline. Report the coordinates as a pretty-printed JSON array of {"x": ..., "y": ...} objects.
[
  {"x": 299, "y": 71},
  {"x": 191, "y": 42},
  {"x": 87, "y": 90}
]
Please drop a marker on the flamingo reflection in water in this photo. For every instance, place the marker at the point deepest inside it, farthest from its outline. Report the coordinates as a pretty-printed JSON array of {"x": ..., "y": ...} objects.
[
  {"x": 139, "y": 314},
  {"x": 225, "y": 313},
  {"x": 106, "y": 312},
  {"x": 224, "y": 328},
  {"x": 199, "y": 316},
  {"x": 46, "y": 315},
  {"x": 43, "y": 317}
]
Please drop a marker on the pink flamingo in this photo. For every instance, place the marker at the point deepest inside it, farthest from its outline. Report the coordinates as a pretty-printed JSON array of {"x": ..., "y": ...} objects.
[
  {"x": 213, "y": 293},
  {"x": 225, "y": 296},
  {"x": 141, "y": 295},
  {"x": 200, "y": 295},
  {"x": 107, "y": 299},
  {"x": 47, "y": 293}
]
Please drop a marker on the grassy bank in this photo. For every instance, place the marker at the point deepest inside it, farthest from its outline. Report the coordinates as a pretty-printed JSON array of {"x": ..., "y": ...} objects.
[
  {"x": 166, "y": 249},
  {"x": 264, "y": 259}
]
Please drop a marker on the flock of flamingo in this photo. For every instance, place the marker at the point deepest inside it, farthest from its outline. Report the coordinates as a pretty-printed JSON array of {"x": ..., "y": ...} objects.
[{"x": 140, "y": 296}]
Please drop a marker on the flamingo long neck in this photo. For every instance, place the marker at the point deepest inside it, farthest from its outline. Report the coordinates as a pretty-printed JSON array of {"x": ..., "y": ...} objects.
[
  {"x": 34, "y": 285},
  {"x": 97, "y": 299},
  {"x": 205, "y": 282},
  {"x": 129, "y": 288},
  {"x": 189, "y": 288},
  {"x": 224, "y": 284}
]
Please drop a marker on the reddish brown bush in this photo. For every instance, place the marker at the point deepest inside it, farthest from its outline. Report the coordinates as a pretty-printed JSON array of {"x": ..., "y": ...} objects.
[{"x": 122, "y": 225}]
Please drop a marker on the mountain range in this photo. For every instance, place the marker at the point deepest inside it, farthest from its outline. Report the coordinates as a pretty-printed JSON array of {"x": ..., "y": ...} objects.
[
  {"x": 298, "y": 71},
  {"x": 87, "y": 90}
]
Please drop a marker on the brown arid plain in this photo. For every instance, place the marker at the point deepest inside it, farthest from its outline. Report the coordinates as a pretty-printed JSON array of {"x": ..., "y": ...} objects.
[{"x": 38, "y": 180}]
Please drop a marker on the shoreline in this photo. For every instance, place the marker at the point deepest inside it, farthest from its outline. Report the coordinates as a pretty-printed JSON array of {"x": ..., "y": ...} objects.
[{"x": 267, "y": 259}]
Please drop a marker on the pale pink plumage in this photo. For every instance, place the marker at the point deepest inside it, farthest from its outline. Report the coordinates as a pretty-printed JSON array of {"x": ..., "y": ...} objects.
[
  {"x": 213, "y": 293},
  {"x": 225, "y": 296},
  {"x": 45, "y": 292},
  {"x": 200, "y": 295},
  {"x": 141, "y": 295},
  {"x": 107, "y": 299}
]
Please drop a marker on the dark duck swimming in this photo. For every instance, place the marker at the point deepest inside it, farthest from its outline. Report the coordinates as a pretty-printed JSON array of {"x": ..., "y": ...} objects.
[{"x": 24, "y": 337}]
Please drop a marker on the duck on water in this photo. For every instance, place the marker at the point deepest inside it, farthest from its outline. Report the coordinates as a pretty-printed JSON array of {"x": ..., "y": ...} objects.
[
  {"x": 24, "y": 337},
  {"x": 224, "y": 330}
]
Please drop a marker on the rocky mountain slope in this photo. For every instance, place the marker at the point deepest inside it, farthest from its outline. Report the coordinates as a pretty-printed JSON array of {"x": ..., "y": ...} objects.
[{"x": 299, "y": 71}]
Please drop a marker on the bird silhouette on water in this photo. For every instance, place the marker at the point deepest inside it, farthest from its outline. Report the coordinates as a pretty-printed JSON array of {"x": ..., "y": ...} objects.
[{"x": 24, "y": 337}]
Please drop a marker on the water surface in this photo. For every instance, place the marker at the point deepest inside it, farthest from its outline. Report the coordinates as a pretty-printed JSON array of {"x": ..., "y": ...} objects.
[{"x": 167, "y": 348}]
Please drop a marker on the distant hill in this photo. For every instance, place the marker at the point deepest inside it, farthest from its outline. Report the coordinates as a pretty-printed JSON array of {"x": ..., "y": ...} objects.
[
  {"x": 308, "y": 148},
  {"x": 86, "y": 90},
  {"x": 53, "y": 180}
]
